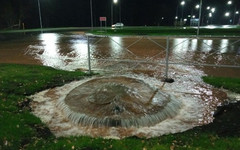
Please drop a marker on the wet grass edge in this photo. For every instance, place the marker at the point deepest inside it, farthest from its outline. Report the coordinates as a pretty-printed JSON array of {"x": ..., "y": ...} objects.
[{"x": 19, "y": 129}]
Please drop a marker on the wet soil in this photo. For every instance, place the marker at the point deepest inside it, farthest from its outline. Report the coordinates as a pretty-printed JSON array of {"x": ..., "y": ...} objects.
[{"x": 226, "y": 122}]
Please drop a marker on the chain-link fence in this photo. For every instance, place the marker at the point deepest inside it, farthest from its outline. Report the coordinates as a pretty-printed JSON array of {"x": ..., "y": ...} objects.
[{"x": 150, "y": 53}]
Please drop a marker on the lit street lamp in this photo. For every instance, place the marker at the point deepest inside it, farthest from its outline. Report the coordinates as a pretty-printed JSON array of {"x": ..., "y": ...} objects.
[
  {"x": 113, "y": 2},
  {"x": 197, "y": 6},
  {"x": 40, "y": 16},
  {"x": 213, "y": 10},
  {"x": 229, "y": 2},
  {"x": 227, "y": 14},
  {"x": 210, "y": 15},
  {"x": 199, "y": 17},
  {"x": 182, "y": 3},
  {"x": 234, "y": 16}
]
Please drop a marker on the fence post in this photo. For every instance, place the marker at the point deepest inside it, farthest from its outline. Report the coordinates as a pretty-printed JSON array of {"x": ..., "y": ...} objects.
[
  {"x": 89, "y": 56},
  {"x": 167, "y": 58}
]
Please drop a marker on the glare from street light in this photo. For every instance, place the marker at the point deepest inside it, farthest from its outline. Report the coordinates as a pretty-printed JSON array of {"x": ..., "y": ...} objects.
[
  {"x": 197, "y": 6},
  {"x": 213, "y": 10},
  {"x": 208, "y": 7},
  {"x": 176, "y": 17},
  {"x": 237, "y": 12},
  {"x": 229, "y": 2},
  {"x": 210, "y": 15},
  {"x": 115, "y": 1},
  {"x": 185, "y": 20},
  {"x": 227, "y": 14},
  {"x": 183, "y": 3},
  {"x": 193, "y": 16}
]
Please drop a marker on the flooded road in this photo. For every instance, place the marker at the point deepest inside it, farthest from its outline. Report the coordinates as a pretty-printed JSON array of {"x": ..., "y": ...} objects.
[{"x": 69, "y": 51}]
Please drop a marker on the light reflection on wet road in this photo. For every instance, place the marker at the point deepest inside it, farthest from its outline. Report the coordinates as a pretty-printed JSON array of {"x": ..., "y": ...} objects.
[{"x": 69, "y": 51}]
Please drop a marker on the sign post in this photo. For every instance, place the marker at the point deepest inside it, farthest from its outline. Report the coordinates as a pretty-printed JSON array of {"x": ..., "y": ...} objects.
[{"x": 103, "y": 19}]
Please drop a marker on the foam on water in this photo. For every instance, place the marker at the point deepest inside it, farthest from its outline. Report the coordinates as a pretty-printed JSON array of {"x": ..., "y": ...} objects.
[{"x": 198, "y": 102}]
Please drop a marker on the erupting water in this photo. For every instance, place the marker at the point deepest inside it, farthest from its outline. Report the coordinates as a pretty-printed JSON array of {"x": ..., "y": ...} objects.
[{"x": 118, "y": 102}]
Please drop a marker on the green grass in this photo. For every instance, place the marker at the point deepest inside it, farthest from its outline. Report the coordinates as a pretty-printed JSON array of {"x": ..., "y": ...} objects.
[
  {"x": 232, "y": 84},
  {"x": 137, "y": 30},
  {"x": 19, "y": 129}
]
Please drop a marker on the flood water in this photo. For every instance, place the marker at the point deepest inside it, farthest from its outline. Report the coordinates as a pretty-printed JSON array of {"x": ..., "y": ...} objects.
[
  {"x": 139, "y": 57},
  {"x": 69, "y": 51}
]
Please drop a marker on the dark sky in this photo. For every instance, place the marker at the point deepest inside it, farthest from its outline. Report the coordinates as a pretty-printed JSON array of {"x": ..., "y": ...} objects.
[{"x": 60, "y": 13}]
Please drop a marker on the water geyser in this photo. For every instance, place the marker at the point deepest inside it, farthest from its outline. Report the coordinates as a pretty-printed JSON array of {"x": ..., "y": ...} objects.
[{"x": 117, "y": 101}]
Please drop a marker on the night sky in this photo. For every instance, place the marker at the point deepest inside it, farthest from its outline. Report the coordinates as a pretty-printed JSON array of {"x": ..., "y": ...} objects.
[{"x": 76, "y": 13}]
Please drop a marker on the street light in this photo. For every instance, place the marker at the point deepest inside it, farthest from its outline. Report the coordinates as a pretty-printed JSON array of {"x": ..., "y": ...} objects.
[
  {"x": 210, "y": 15},
  {"x": 197, "y": 6},
  {"x": 113, "y": 2},
  {"x": 91, "y": 15},
  {"x": 182, "y": 3},
  {"x": 40, "y": 16},
  {"x": 199, "y": 17},
  {"x": 213, "y": 10},
  {"x": 227, "y": 14},
  {"x": 234, "y": 15},
  {"x": 229, "y": 2}
]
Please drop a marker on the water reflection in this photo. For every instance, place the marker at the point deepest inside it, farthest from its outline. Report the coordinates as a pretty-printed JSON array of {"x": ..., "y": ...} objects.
[
  {"x": 180, "y": 46},
  {"x": 194, "y": 44},
  {"x": 68, "y": 51},
  {"x": 224, "y": 45},
  {"x": 80, "y": 48},
  {"x": 50, "y": 55},
  {"x": 115, "y": 46},
  {"x": 206, "y": 46}
]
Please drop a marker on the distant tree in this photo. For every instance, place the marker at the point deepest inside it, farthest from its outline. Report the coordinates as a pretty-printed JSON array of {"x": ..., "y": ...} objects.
[
  {"x": 7, "y": 14},
  {"x": 14, "y": 12}
]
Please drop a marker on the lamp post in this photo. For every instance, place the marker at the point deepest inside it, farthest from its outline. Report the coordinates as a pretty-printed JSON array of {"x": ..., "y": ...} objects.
[
  {"x": 199, "y": 17},
  {"x": 234, "y": 15},
  {"x": 91, "y": 14},
  {"x": 40, "y": 16},
  {"x": 227, "y": 15},
  {"x": 182, "y": 3},
  {"x": 113, "y": 2}
]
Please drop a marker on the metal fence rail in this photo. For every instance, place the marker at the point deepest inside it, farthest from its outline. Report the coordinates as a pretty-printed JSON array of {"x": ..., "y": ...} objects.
[{"x": 165, "y": 51}]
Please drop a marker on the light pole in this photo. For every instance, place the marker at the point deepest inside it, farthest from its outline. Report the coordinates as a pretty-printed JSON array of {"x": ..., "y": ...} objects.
[
  {"x": 199, "y": 17},
  {"x": 229, "y": 3},
  {"x": 40, "y": 16},
  {"x": 234, "y": 15},
  {"x": 227, "y": 14},
  {"x": 113, "y": 2},
  {"x": 182, "y": 3},
  {"x": 91, "y": 14}
]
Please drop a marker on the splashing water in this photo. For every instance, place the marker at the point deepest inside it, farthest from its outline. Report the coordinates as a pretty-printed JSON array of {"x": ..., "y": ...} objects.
[
  {"x": 182, "y": 105},
  {"x": 118, "y": 102}
]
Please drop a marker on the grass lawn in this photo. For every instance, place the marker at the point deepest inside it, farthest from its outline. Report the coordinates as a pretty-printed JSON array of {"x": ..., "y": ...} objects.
[
  {"x": 19, "y": 129},
  {"x": 135, "y": 30},
  {"x": 232, "y": 84}
]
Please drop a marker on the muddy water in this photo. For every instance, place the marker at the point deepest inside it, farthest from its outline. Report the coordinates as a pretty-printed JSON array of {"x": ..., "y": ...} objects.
[{"x": 69, "y": 51}]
